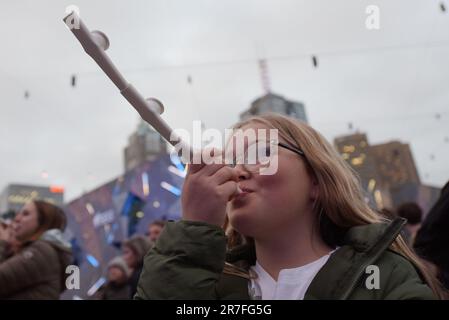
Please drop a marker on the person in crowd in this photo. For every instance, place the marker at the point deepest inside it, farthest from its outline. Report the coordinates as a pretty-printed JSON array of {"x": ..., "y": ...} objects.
[
  {"x": 134, "y": 250},
  {"x": 412, "y": 212},
  {"x": 33, "y": 254},
  {"x": 154, "y": 230},
  {"x": 12, "y": 244},
  {"x": 304, "y": 232},
  {"x": 432, "y": 239},
  {"x": 117, "y": 285}
]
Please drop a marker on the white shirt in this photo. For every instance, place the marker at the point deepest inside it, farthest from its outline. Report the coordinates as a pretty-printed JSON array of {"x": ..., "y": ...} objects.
[{"x": 292, "y": 283}]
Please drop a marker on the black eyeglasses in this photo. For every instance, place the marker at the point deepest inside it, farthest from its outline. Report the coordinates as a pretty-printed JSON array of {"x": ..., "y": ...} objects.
[
  {"x": 293, "y": 149},
  {"x": 258, "y": 154}
]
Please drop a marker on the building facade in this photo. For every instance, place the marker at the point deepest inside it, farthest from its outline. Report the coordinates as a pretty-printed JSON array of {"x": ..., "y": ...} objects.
[
  {"x": 395, "y": 164},
  {"x": 101, "y": 219},
  {"x": 356, "y": 150},
  {"x": 145, "y": 144},
  {"x": 387, "y": 171},
  {"x": 275, "y": 103},
  {"x": 14, "y": 196}
]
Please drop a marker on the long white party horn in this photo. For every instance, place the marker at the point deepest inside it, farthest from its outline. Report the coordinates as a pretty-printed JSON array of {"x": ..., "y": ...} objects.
[{"x": 95, "y": 44}]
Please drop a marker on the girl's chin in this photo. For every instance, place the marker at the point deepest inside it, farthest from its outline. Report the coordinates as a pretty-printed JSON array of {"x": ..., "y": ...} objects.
[
  {"x": 240, "y": 213},
  {"x": 241, "y": 221}
]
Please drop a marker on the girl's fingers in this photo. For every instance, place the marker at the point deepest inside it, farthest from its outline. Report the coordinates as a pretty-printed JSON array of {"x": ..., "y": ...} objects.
[
  {"x": 224, "y": 174},
  {"x": 211, "y": 162},
  {"x": 228, "y": 189}
]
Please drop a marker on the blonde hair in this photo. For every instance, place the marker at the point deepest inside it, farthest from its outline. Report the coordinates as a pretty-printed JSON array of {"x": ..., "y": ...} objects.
[{"x": 341, "y": 203}]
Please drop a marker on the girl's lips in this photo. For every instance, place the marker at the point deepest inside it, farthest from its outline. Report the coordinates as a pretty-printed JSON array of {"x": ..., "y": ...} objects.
[
  {"x": 243, "y": 194},
  {"x": 245, "y": 190}
]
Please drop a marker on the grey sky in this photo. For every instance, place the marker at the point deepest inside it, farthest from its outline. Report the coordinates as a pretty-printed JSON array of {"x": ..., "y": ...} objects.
[{"x": 77, "y": 134}]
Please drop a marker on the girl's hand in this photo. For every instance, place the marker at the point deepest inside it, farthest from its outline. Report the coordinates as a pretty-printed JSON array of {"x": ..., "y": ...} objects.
[{"x": 206, "y": 191}]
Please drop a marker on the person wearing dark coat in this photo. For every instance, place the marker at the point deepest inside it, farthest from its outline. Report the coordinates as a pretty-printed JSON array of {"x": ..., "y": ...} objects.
[
  {"x": 33, "y": 254},
  {"x": 117, "y": 286},
  {"x": 412, "y": 212},
  {"x": 134, "y": 250},
  {"x": 433, "y": 238}
]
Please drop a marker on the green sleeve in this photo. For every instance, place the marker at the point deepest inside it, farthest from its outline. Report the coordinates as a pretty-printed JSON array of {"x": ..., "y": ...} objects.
[
  {"x": 185, "y": 263},
  {"x": 404, "y": 283}
]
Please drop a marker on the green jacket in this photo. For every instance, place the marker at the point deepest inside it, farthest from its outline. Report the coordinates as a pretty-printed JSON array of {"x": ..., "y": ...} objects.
[{"x": 187, "y": 263}]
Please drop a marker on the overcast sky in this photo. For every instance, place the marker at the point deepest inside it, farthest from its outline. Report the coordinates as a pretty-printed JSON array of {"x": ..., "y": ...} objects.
[{"x": 390, "y": 83}]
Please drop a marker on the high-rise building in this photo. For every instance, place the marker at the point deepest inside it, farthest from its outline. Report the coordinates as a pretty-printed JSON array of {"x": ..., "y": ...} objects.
[
  {"x": 275, "y": 103},
  {"x": 14, "y": 196},
  {"x": 355, "y": 149},
  {"x": 385, "y": 170},
  {"x": 395, "y": 163},
  {"x": 145, "y": 144}
]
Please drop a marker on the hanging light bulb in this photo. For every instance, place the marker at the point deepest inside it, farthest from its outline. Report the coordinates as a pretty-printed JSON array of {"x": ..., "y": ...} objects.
[
  {"x": 315, "y": 61},
  {"x": 73, "y": 80}
]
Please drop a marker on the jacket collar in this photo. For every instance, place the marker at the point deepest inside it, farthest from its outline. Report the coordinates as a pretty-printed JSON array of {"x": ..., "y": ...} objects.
[{"x": 362, "y": 246}]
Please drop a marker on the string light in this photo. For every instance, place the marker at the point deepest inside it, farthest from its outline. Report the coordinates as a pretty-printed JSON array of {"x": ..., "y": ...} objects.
[{"x": 315, "y": 61}]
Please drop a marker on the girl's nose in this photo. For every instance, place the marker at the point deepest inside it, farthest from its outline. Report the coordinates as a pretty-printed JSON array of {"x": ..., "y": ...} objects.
[{"x": 242, "y": 173}]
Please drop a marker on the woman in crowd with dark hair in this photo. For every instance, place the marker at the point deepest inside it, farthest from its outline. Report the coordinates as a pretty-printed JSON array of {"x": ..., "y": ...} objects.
[{"x": 36, "y": 270}]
